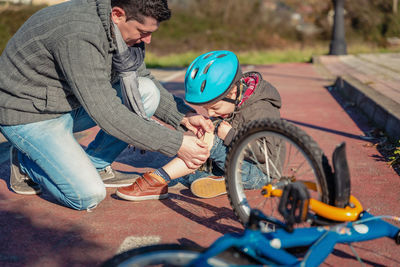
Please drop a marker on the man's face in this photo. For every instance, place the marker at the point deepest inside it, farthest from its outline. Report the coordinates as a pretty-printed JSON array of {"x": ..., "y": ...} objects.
[{"x": 132, "y": 31}]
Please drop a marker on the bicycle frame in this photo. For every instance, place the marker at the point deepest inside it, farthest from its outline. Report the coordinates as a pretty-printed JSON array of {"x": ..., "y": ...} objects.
[{"x": 269, "y": 248}]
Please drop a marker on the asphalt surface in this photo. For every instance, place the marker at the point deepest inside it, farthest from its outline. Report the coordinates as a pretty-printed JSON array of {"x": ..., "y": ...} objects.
[{"x": 36, "y": 231}]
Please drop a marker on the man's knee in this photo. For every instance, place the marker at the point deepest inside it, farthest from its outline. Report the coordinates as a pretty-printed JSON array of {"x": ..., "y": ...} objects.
[
  {"x": 87, "y": 200},
  {"x": 150, "y": 95}
]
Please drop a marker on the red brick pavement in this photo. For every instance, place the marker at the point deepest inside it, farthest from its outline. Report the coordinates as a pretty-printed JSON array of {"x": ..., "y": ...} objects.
[{"x": 35, "y": 231}]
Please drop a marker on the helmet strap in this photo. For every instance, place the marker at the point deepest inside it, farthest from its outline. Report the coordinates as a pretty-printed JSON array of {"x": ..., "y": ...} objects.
[{"x": 230, "y": 100}]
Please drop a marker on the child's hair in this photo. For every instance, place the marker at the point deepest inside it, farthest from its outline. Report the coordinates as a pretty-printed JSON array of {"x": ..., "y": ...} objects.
[{"x": 210, "y": 77}]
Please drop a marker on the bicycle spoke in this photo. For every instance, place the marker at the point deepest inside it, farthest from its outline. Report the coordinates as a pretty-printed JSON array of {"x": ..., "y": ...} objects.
[
  {"x": 266, "y": 157},
  {"x": 254, "y": 156},
  {"x": 275, "y": 169},
  {"x": 300, "y": 166},
  {"x": 288, "y": 158},
  {"x": 300, "y": 174}
]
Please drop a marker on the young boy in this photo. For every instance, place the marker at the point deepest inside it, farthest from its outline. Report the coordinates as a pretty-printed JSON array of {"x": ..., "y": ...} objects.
[{"x": 214, "y": 81}]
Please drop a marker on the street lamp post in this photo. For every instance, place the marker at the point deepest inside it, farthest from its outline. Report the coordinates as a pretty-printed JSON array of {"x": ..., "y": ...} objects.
[{"x": 338, "y": 42}]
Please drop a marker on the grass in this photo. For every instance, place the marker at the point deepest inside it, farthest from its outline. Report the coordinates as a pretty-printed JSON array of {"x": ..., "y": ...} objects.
[{"x": 260, "y": 57}]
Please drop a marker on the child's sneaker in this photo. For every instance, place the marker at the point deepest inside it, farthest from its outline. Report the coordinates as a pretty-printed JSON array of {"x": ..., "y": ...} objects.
[
  {"x": 208, "y": 187},
  {"x": 148, "y": 186}
]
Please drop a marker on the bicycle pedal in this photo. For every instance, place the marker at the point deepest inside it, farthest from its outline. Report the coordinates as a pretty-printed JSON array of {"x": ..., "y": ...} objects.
[{"x": 293, "y": 205}]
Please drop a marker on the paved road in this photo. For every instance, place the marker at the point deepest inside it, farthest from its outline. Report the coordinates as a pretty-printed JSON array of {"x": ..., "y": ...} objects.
[{"x": 35, "y": 231}]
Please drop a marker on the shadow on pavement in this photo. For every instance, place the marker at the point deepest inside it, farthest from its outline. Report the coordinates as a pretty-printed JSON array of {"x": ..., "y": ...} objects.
[
  {"x": 349, "y": 135},
  {"x": 345, "y": 255},
  {"x": 188, "y": 242},
  {"x": 136, "y": 158},
  {"x": 357, "y": 117},
  {"x": 187, "y": 207},
  {"x": 24, "y": 243}
]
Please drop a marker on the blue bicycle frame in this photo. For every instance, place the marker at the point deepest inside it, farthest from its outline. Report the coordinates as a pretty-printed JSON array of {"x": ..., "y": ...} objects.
[{"x": 269, "y": 248}]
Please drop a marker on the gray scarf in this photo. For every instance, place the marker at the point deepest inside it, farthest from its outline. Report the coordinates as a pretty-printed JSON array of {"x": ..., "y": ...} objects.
[{"x": 126, "y": 60}]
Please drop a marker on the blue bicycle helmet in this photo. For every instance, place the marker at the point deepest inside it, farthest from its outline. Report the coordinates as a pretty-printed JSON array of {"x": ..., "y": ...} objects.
[{"x": 210, "y": 76}]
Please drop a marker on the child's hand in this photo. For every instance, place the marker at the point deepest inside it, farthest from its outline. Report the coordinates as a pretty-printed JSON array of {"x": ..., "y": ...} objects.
[
  {"x": 223, "y": 129},
  {"x": 198, "y": 124}
]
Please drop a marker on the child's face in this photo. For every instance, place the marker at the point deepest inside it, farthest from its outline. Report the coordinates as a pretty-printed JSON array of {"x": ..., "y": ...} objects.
[{"x": 222, "y": 108}]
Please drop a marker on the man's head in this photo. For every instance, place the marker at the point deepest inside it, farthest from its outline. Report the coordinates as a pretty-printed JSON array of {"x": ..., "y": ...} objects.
[
  {"x": 210, "y": 81},
  {"x": 138, "y": 19}
]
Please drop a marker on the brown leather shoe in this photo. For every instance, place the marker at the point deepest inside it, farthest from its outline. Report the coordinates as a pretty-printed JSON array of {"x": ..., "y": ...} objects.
[
  {"x": 144, "y": 188},
  {"x": 208, "y": 187}
]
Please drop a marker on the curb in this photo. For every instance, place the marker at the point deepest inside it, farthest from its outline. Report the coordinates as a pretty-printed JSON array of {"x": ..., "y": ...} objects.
[{"x": 382, "y": 111}]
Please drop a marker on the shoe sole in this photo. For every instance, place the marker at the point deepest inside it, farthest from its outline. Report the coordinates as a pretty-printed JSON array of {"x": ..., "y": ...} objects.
[
  {"x": 208, "y": 187},
  {"x": 132, "y": 198},
  {"x": 14, "y": 168},
  {"x": 117, "y": 185},
  {"x": 30, "y": 193}
]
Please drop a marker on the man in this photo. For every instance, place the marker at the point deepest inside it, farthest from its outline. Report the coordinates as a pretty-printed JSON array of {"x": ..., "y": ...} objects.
[{"x": 56, "y": 77}]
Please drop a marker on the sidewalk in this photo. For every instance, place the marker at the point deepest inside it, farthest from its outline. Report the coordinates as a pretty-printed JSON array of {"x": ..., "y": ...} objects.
[
  {"x": 371, "y": 82},
  {"x": 36, "y": 231}
]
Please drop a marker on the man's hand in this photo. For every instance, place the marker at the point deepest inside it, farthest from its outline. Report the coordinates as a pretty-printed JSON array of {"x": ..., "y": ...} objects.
[
  {"x": 223, "y": 129},
  {"x": 194, "y": 152},
  {"x": 198, "y": 124}
]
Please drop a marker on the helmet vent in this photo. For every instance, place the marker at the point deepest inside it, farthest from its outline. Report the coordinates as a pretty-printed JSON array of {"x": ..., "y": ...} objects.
[
  {"x": 194, "y": 73},
  {"x": 207, "y": 67},
  {"x": 207, "y": 56},
  {"x": 223, "y": 55},
  {"x": 203, "y": 85}
]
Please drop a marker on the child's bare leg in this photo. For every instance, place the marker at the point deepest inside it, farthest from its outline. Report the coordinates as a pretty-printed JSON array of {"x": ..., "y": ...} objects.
[{"x": 177, "y": 168}]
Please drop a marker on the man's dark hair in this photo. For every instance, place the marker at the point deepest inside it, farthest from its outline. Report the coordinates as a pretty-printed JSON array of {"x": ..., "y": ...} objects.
[{"x": 138, "y": 9}]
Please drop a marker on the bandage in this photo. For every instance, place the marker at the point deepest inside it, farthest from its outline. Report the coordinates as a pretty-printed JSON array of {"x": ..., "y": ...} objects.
[{"x": 209, "y": 139}]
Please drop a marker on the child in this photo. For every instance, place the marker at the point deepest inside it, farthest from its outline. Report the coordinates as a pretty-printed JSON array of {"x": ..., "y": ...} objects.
[{"x": 213, "y": 80}]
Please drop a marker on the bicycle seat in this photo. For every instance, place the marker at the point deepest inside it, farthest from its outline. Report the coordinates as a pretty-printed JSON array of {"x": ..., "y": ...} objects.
[
  {"x": 293, "y": 205},
  {"x": 341, "y": 176}
]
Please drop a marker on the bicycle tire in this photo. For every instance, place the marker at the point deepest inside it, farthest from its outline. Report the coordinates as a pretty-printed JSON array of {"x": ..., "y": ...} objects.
[
  {"x": 169, "y": 255},
  {"x": 283, "y": 132}
]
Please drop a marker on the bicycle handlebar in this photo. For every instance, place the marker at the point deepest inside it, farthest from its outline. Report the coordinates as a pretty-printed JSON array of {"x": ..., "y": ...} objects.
[{"x": 349, "y": 213}]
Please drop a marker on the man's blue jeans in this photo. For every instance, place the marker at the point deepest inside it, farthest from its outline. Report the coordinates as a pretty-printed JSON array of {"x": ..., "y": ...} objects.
[
  {"x": 53, "y": 158},
  {"x": 252, "y": 176}
]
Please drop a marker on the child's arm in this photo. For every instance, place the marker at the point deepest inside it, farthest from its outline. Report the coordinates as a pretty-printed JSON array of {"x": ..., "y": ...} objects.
[{"x": 177, "y": 168}]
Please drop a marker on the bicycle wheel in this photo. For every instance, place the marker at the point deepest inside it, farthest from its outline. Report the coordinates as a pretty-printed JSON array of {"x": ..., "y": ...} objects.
[
  {"x": 165, "y": 255},
  {"x": 272, "y": 151}
]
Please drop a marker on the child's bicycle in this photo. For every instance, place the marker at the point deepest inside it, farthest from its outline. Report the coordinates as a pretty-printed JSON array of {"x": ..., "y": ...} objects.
[{"x": 309, "y": 206}]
